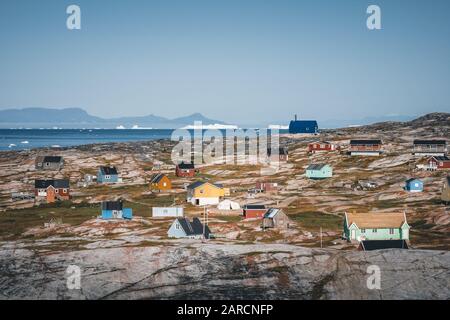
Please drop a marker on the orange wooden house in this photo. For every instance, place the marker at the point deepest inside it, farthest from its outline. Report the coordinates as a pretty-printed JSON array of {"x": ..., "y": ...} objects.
[{"x": 160, "y": 182}]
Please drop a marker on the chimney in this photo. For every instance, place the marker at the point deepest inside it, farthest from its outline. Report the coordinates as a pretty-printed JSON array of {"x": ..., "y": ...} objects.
[{"x": 295, "y": 117}]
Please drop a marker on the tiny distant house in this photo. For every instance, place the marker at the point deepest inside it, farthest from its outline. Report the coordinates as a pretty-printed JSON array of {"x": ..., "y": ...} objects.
[
  {"x": 186, "y": 170},
  {"x": 115, "y": 210},
  {"x": 414, "y": 185},
  {"x": 429, "y": 148},
  {"x": 445, "y": 196},
  {"x": 438, "y": 163},
  {"x": 275, "y": 218},
  {"x": 303, "y": 126},
  {"x": 267, "y": 187},
  {"x": 107, "y": 175},
  {"x": 365, "y": 147},
  {"x": 166, "y": 212},
  {"x": 160, "y": 182},
  {"x": 281, "y": 156},
  {"x": 376, "y": 226},
  {"x": 52, "y": 190},
  {"x": 254, "y": 211},
  {"x": 183, "y": 228},
  {"x": 49, "y": 163},
  {"x": 322, "y": 146},
  {"x": 204, "y": 193},
  {"x": 319, "y": 171}
]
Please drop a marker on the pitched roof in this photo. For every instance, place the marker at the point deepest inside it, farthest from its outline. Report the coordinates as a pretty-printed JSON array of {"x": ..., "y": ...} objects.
[
  {"x": 272, "y": 212},
  {"x": 109, "y": 170},
  {"x": 200, "y": 183},
  {"x": 254, "y": 207},
  {"x": 375, "y": 220},
  {"x": 186, "y": 166},
  {"x": 317, "y": 166},
  {"x": 193, "y": 228},
  {"x": 301, "y": 125},
  {"x": 365, "y": 142},
  {"x": 57, "y": 184},
  {"x": 112, "y": 205},
  {"x": 369, "y": 245},
  {"x": 441, "y": 158},
  {"x": 439, "y": 142},
  {"x": 157, "y": 177}
]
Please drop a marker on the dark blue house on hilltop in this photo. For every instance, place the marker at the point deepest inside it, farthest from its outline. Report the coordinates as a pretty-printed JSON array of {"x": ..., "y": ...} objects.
[{"x": 303, "y": 126}]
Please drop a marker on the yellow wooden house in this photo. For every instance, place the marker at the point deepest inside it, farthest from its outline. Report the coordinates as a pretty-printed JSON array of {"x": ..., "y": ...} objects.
[{"x": 202, "y": 193}]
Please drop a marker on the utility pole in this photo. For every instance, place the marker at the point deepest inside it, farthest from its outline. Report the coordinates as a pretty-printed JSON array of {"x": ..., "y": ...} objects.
[{"x": 321, "y": 242}]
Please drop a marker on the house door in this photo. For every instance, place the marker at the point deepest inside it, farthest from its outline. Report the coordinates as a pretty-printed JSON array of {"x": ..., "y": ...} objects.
[
  {"x": 197, "y": 202},
  {"x": 353, "y": 235}
]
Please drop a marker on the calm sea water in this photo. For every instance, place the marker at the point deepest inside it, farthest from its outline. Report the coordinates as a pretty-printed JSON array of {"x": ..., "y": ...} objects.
[{"x": 21, "y": 139}]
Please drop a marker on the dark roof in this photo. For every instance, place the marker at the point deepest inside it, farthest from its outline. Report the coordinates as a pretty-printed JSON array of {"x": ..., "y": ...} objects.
[
  {"x": 157, "y": 177},
  {"x": 193, "y": 228},
  {"x": 52, "y": 159},
  {"x": 57, "y": 184},
  {"x": 365, "y": 142},
  {"x": 186, "y": 166},
  {"x": 317, "y": 166},
  {"x": 112, "y": 205},
  {"x": 441, "y": 158},
  {"x": 199, "y": 183},
  {"x": 368, "y": 245},
  {"x": 281, "y": 151},
  {"x": 109, "y": 170},
  {"x": 254, "y": 207},
  {"x": 440, "y": 142},
  {"x": 303, "y": 126}
]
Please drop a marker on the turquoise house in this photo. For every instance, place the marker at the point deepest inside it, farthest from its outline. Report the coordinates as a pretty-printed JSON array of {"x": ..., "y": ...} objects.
[
  {"x": 319, "y": 171},
  {"x": 414, "y": 185},
  {"x": 376, "y": 226},
  {"x": 115, "y": 210},
  {"x": 107, "y": 175}
]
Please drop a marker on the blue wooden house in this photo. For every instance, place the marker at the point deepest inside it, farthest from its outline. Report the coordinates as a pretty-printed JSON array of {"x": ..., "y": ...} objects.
[
  {"x": 319, "y": 171},
  {"x": 303, "y": 126},
  {"x": 115, "y": 210},
  {"x": 107, "y": 175},
  {"x": 414, "y": 185}
]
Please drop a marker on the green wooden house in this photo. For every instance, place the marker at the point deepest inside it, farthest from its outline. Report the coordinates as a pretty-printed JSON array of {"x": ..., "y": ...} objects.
[
  {"x": 376, "y": 226},
  {"x": 319, "y": 171}
]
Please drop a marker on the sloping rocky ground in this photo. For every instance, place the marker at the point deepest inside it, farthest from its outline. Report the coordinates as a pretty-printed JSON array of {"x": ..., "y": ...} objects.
[{"x": 209, "y": 271}]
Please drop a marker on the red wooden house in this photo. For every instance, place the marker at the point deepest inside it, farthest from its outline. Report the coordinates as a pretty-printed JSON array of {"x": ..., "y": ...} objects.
[
  {"x": 185, "y": 170},
  {"x": 52, "y": 190},
  {"x": 252, "y": 211},
  {"x": 439, "y": 163},
  {"x": 322, "y": 146},
  {"x": 366, "y": 147}
]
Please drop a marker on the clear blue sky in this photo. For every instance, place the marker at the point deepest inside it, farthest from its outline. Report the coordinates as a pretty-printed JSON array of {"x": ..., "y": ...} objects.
[{"x": 243, "y": 61}]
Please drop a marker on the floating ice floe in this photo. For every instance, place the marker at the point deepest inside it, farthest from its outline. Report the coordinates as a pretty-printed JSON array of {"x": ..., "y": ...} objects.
[
  {"x": 24, "y": 142},
  {"x": 120, "y": 127}
]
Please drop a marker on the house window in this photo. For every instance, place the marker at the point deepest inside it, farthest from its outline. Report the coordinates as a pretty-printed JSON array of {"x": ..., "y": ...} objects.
[
  {"x": 64, "y": 190},
  {"x": 201, "y": 190},
  {"x": 57, "y": 191},
  {"x": 107, "y": 177},
  {"x": 391, "y": 231},
  {"x": 363, "y": 230},
  {"x": 177, "y": 226},
  {"x": 374, "y": 230}
]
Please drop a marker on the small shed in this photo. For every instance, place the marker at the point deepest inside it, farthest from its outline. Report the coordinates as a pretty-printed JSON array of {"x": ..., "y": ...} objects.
[
  {"x": 275, "y": 218},
  {"x": 163, "y": 212},
  {"x": 228, "y": 205},
  {"x": 414, "y": 185}
]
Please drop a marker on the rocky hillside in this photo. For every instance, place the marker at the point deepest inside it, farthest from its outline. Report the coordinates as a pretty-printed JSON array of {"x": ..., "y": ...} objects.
[{"x": 207, "y": 271}]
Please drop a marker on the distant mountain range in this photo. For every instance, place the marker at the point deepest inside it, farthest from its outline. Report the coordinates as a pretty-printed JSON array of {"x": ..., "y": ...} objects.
[{"x": 76, "y": 118}]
